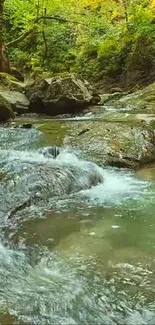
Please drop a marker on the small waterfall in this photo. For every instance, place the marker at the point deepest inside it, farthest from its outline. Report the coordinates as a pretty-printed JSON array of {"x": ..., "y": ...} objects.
[
  {"x": 30, "y": 176},
  {"x": 38, "y": 286}
]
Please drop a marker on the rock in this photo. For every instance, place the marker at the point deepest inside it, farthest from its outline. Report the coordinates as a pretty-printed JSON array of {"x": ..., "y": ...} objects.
[
  {"x": 143, "y": 99},
  {"x": 60, "y": 95},
  {"x": 26, "y": 126},
  {"x": 83, "y": 131},
  {"x": 111, "y": 96},
  {"x": 122, "y": 163},
  {"x": 126, "y": 144},
  {"x": 6, "y": 112},
  {"x": 50, "y": 151},
  {"x": 8, "y": 81},
  {"x": 18, "y": 101},
  {"x": 5, "y": 78},
  {"x": 17, "y": 86}
]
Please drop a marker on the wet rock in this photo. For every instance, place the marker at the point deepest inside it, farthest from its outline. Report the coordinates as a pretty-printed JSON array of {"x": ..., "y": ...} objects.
[
  {"x": 120, "y": 144},
  {"x": 37, "y": 180},
  {"x": 50, "y": 151},
  {"x": 26, "y": 126},
  {"x": 122, "y": 162},
  {"x": 83, "y": 131},
  {"x": 18, "y": 101},
  {"x": 6, "y": 112},
  {"x": 60, "y": 95}
]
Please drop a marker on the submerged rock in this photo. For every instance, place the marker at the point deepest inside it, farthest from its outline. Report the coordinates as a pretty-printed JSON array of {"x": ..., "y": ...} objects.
[
  {"x": 6, "y": 112},
  {"x": 33, "y": 179},
  {"x": 60, "y": 95}
]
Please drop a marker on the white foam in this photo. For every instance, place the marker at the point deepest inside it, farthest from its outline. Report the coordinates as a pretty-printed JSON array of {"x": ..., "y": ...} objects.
[
  {"x": 117, "y": 185},
  {"x": 114, "y": 185}
]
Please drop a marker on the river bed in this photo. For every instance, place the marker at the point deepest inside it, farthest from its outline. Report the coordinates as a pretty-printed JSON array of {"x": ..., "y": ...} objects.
[{"x": 77, "y": 238}]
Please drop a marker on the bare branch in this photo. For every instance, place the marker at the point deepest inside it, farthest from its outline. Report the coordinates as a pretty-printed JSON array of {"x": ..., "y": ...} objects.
[
  {"x": 20, "y": 38},
  {"x": 63, "y": 20}
]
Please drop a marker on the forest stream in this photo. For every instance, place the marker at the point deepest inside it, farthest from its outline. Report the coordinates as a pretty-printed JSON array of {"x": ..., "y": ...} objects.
[{"x": 77, "y": 238}]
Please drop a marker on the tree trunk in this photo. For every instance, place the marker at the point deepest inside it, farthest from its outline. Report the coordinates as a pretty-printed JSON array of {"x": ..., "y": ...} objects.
[{"x": 4, "y": 59}]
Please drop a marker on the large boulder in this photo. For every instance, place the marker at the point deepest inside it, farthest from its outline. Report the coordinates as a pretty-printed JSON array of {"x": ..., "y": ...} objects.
[
  {"x": 18, "y": 101},
  {"x": 60, "y": 95},
  {"x": 6, "y": 112}
]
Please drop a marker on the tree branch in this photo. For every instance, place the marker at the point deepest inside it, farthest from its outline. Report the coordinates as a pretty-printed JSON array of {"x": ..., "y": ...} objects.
[
  {"x": 63, "y": 20},
  {"x": 23, "y": 36},
  {"x": 20, "y": 38}
]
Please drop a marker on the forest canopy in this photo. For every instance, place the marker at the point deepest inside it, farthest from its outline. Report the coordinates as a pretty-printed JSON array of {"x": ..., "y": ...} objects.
[{"x": 94, "y": 38}]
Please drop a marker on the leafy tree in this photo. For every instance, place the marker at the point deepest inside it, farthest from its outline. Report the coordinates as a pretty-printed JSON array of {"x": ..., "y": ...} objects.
[
  {"x": 95, "y": 38},
  {"x": 4, "y": 61}
]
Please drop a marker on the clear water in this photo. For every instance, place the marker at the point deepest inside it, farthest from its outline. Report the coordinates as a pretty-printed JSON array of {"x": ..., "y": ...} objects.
[{"x": 77, "y": 240}]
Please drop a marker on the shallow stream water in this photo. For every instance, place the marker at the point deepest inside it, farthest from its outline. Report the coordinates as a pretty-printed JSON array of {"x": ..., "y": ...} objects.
[{"x": 77, "y": 240}]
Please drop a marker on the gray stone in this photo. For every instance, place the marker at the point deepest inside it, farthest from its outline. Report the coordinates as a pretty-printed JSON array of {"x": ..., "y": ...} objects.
[
  {"x": 61, "y": 95},
  {"x": 18, "y": 101}
]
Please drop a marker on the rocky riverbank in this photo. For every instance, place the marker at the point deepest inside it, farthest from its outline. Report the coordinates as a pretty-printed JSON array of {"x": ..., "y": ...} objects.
[{"x": 119, "y": 131}]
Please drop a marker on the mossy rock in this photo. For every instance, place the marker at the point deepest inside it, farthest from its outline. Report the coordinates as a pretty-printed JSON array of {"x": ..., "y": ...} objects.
[
  {"x": 8, "y": 81},
  {"x": 152, "y": 124},
  {"x": 5, "y": 78},
  {"x": 143, "y": 99},
  {"x": 6, "y": 112}
]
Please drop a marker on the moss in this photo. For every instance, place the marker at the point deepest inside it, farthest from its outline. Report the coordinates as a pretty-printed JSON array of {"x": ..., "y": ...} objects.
[
  {"x": 5, "y": 77},
  {"x": 152, "y": 124},
  {"x": 54, "y": 133},
  {"x": 8, "y": 81}
]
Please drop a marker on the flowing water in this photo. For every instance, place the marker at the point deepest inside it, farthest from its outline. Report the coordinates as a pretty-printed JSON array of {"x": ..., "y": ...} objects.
[{"x": 77, "y": 240}]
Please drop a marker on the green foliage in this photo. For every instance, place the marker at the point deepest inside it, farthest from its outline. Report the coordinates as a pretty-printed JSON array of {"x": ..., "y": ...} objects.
[
  {"x": 110, "y": 56},
  {"x": 111, "y": 39}
]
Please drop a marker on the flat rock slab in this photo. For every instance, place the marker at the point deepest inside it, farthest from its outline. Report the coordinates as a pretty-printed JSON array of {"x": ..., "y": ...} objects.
[
  {"x": 19, "y": 102},
  {"x": 120, "y": 144}
]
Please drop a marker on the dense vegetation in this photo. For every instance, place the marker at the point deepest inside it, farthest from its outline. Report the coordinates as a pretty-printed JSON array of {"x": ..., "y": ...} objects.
[{"x": 103, "y": 40}]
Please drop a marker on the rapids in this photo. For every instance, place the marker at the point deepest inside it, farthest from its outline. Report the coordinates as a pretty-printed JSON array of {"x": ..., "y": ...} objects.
[{"x": 77, "y": 239}]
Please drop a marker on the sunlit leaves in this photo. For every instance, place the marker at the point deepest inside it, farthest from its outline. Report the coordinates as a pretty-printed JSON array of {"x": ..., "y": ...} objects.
[{"x": 97, "y": 31}]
